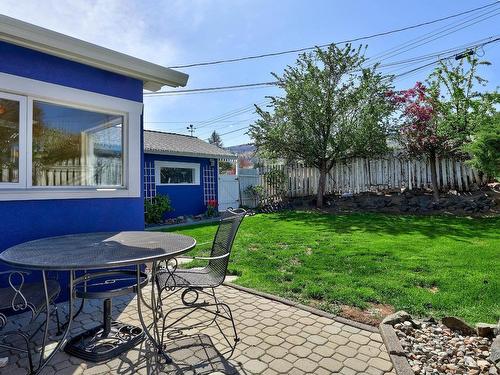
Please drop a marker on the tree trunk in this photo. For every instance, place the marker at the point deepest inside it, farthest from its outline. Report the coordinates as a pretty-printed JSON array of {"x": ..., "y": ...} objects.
[
  {"x": 435, "y": 188},
  {"x": 321, "y": 187}
]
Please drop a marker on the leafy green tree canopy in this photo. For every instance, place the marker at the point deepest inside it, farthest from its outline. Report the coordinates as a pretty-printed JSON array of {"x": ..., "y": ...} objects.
[{"x": 332, "y": 109}]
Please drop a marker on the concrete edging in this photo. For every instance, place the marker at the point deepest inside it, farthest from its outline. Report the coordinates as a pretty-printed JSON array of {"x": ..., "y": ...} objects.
[
  {"x": 395, "y": 350},
  {"x": 300, "y": 306}
]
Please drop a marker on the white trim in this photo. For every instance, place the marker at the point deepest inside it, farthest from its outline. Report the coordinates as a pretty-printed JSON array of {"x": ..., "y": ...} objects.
[
  {"x": 191, "y": 154},
  {"x": 174, "y": 164},
  {"x": 36, "y": 90},
  {"x": 66, "y": 95},
  {"x": 40, "y": 39},
  {"x": 21, "y": 139}
]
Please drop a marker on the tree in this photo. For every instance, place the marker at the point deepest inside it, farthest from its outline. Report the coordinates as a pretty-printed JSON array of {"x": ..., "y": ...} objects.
[
  {"x": 484, "y": 147},
  {"x": 225, "y": 167},
  {"x": 332, "y": 109},
  {"x": 460, "y": 108},
  {"x": 439, "y": 119},
  {"x": 419, "y": 133},
  {"x": 215, "y": 139}
]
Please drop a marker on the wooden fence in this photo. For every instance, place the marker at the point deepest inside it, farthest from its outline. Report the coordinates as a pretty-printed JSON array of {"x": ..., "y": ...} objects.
[{"x": 367, "y": 175}]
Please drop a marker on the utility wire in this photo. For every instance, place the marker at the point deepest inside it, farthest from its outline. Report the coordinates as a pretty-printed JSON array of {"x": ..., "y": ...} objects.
[
  {"x": 247, "y": 85},
  {"x": 365, "y": 37},
  {"x": 396, "y": 76},
  {"x": 462, "y": 23}
]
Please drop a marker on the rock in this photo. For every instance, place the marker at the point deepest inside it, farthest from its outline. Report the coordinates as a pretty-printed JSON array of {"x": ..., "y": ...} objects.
[
  {"x": 397, "y": 317},
  {"x": 470, "y": 362},
  {"x": 457, "y": 324},
  {"x": 495, "y": 351},
  {"x": 483, "y": 364},
  {"x": 486, "y": 330}
]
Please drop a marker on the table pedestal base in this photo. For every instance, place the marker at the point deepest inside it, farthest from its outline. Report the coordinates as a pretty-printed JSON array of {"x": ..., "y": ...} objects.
[
  {"x": 95, "y": 345},
  {"x": 105, "y": 341}
]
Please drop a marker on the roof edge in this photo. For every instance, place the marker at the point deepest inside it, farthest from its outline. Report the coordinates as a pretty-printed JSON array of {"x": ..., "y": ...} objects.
[
  {"x": 191, "y": 154},
  {"x": 53, "y": 43}
]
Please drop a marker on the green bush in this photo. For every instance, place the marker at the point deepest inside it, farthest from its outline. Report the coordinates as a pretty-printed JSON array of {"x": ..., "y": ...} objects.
[
  {"x": 485, "y": 148},
  {"x": 156, "y": 208}
]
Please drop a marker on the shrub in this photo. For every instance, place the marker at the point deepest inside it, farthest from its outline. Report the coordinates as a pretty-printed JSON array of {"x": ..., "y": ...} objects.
[
  {"x": 156, "y": 208},
  {"x": 256, "y": 192},
  {"x": 485, "y": 148},
  {"x": 212, "y": 208}
]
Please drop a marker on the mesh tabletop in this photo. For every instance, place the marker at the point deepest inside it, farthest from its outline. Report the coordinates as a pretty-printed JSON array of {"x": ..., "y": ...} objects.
[{"x": 96, "y": 250}]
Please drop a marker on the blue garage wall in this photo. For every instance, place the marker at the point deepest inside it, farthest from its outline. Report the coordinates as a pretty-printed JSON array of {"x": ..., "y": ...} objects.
[
  {"x": 185, "y": 199},
  {"x": 26, "y": 220}
]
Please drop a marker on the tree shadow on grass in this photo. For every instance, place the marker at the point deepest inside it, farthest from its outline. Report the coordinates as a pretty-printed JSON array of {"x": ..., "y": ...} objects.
[{"x": 457, "y": 228}]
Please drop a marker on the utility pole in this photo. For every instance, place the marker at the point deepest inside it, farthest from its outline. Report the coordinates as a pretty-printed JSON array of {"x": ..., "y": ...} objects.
[{"x": 191, "y": 129}]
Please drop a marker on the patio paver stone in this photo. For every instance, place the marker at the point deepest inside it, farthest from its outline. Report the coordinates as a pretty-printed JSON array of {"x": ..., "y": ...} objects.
[{"x": 275, "y": 339}]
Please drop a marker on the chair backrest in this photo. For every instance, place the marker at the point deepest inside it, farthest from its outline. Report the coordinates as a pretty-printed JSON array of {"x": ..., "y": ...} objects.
[{"x": 223, "y": 242}]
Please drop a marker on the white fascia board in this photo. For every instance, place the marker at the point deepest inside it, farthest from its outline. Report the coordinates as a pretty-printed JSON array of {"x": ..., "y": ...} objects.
[
  {"x": 53, "y": 43},
  {"x": 190, "y": 154}
]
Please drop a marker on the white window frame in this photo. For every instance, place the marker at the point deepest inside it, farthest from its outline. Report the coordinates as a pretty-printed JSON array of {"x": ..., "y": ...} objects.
[
  {"x": 131, "y": 111},
  {"x": 22, "y": 136},
  {"x": 159, "y": 164}
]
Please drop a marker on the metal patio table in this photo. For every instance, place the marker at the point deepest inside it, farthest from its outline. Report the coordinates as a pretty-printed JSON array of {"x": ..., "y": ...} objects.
[{"x": 97, "y": 257}]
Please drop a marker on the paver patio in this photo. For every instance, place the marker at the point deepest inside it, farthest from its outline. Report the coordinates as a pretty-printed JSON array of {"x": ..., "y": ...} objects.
[{"x": 275, "y": 339}]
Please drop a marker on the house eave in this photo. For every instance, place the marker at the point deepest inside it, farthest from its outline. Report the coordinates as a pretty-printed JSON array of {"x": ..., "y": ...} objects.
[
  {"x": 191, "y": 154},
  {"x": 53, "y": 43}
]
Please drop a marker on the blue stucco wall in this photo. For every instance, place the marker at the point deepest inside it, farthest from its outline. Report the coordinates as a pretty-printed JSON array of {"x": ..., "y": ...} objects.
[
  {"x": 27, "y": 63},
  {"x": 26, "y": 220},
  {"x": 185, "y": 199}
]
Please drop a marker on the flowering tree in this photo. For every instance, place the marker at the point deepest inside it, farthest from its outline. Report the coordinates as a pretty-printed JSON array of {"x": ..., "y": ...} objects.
[{"x": 420, "y": 133}]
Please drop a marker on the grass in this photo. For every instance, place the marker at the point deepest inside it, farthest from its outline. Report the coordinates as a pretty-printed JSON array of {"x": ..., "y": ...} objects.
[{"x": 426, "y": 265}]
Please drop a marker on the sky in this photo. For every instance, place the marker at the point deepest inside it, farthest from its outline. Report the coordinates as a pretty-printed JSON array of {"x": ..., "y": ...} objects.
[{"x": 178, "y": 32}]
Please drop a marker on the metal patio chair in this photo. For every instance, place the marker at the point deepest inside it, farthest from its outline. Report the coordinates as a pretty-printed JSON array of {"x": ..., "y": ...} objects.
[
  {"x": 20, "y": 297},
  {"x": 201, "y": 282}
]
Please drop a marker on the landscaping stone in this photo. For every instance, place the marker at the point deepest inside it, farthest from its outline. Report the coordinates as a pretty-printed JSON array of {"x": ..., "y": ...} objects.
[
  {"x": 397, "y": 317},
  {"x": 486, "y": 330},
  {"x": 436, "y": 349},
  {"x": 458, "y": 324},
  {"x": 495, "y": 351}
]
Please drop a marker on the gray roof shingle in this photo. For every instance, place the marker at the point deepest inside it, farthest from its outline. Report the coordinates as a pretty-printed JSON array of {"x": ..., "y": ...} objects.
[{"x": 156, "y": 142}]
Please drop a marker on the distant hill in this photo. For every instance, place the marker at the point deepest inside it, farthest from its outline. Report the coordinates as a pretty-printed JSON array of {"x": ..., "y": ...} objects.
[{"x": 248, "y": 148}]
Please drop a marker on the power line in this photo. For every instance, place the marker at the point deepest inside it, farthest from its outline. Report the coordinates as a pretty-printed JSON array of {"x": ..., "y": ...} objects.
[
  {"x": 175, "y": 92},
  {"x": 259, "y": 56},
  {"x": 391, "y": 52},
  {"x": 236, "y": 130},
  {"x": 247, "y": 85},
  {"x": 445, "y": 58},
  {"x": 192, "y": 122},
  {"x": 432, "y": 38},
  {"x": 397, "y": 75}
]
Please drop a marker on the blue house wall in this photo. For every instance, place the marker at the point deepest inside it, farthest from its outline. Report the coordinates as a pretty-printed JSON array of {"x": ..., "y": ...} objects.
[
  {"x": 185, "y": 199},
  {"x": 25, "y": 220}
]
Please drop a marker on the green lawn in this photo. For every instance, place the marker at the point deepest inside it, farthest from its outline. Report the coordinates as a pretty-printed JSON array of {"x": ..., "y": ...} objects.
[{"x": 427, "y": 265}]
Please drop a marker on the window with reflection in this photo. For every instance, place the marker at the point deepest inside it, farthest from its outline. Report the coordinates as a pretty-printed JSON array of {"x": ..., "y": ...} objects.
[
  {"x": 170, "y": 175},
  {"x": 76, "y": 147},
  {"x": 9, "y": 140}
]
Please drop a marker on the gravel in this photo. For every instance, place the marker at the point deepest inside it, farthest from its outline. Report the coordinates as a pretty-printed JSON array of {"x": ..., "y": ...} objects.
[{"x": 432, "y": 348}]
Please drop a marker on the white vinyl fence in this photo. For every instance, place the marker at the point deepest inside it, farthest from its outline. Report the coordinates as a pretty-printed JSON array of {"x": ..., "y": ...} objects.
[{"x": 367, "y": 175}]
